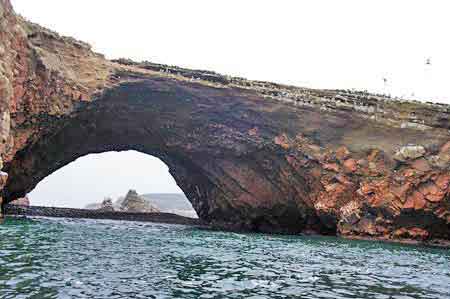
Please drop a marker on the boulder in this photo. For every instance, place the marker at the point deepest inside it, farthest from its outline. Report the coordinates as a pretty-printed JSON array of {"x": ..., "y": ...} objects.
[
  {"x": 24, "y": 201},
  {"x": 350, "y": 165},
  {"x": 415, "y": 201},
  {"x": 409, "y": 152},
  {"x": 414, "y": 233}
]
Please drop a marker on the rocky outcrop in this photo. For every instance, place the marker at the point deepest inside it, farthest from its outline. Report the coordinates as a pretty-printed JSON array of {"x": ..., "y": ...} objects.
[
  {"x": 106, "y": 205},
  {"x": 248, "y": 155},
  {"x": 172, "y": 203},
  {"x": 135, "y": 203}
]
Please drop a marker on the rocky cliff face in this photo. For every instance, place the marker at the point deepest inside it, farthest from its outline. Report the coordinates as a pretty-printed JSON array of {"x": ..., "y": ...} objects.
[{"x": 248, "y": 155}]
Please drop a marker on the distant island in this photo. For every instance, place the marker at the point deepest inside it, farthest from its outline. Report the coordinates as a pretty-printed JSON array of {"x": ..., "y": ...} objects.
[{"x": 175, "y": 203}]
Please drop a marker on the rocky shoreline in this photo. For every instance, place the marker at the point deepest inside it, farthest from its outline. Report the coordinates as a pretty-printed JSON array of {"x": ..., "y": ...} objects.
[
  {"x": 33, "y": 211},
  {"x": 438, "y": 243}
]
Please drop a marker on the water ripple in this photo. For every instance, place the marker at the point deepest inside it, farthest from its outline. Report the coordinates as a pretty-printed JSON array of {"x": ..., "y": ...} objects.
[{"x": 47, "y": 258}]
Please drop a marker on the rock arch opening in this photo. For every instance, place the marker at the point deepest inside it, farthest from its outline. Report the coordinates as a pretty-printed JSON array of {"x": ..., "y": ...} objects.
[
  {"x": 87, "y": 181},
  {"x": 100, "y": 127}
]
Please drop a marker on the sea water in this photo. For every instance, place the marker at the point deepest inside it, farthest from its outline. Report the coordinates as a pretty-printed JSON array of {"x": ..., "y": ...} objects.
[{"x": 65, "y": 258}]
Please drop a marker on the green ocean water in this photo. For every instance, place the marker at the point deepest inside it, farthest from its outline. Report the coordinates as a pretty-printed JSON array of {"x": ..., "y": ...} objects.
[{"x": 62, "y": 258}]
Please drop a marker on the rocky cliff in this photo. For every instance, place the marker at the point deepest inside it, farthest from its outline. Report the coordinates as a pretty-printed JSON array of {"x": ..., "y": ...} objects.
[{"x": 248, "y": 155}]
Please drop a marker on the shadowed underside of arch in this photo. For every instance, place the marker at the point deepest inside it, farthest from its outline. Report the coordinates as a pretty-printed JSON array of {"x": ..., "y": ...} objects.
[{"x": 248, "y": 155}]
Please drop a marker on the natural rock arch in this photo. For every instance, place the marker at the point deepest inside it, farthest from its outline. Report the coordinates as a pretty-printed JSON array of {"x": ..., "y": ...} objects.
[
  {"x": 217, "y": 161},
  {"x": 253, "y": 155}
]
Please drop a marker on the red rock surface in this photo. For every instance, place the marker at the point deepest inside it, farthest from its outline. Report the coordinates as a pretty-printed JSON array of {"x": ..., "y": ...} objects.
[{"x": 248, "y": 155}]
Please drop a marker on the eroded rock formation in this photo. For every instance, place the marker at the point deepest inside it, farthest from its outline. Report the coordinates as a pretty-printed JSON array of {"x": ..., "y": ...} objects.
[
  {"x": 135, "y": 203},
  {"x": 248, "y": 155}
]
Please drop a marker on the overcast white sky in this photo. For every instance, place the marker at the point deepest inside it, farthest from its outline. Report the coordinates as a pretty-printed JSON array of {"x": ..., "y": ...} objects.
[
  {"x": 320, "y": 43},
  {"x": 93, "y": 177}
]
